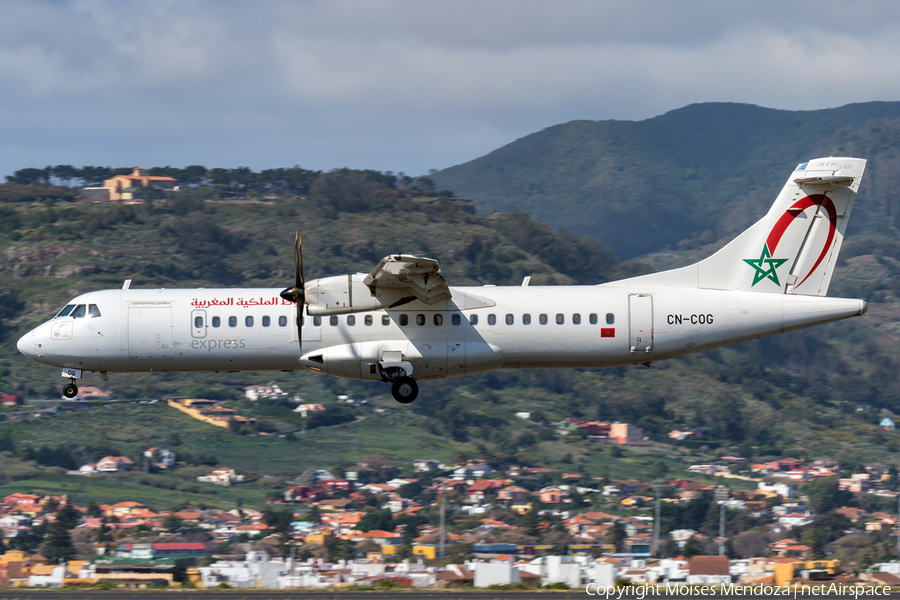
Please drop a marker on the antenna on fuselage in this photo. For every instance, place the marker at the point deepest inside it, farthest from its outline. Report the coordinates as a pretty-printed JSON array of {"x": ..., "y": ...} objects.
[{"x": 127, "y": 284}]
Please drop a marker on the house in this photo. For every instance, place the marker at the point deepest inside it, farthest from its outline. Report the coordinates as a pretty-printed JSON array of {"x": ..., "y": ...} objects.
[
  {"x": 160, "y": 457},
  {"x": 10, "y": 399},
  {"x": 305, "y": 409},
  {"x": 709, "y": 570},
  {"x": 472, "y": 471},
  {"x": 161, "y": 550},
  {"x": 625, "y": 433},
  {"x": 887, "y": 424},
  {"x": 265, "y": 392},
  {"x": 858, "y": 482},
  {"x": 223, "y": 476},
  {"x": 512, "y": 494},
  {"x": 480, "y": 489},
  {"x": 123, "y": 187},
  {"x": 111, "y": 464},
  {"x": 423, "y": 465}
]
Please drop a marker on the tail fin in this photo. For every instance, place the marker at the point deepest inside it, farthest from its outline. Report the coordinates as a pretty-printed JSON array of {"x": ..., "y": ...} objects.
[{"x": 794, "y": 247}]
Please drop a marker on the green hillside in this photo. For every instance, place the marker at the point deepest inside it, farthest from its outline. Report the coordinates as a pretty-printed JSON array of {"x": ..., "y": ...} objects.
[
  {"x": 813, "y": 393},
  {"x": 693, "y": 175}
]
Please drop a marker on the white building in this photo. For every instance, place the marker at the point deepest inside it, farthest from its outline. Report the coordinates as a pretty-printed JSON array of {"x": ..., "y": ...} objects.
[
  {"x": 224, "y": 476},
  {"x": 265, "y": 392},
  {"x": 781, "y": 489},
  {"x": 556, "y": 569},
  {"x": 160, "y": 457},
  {"x": 495, "y": 573}
]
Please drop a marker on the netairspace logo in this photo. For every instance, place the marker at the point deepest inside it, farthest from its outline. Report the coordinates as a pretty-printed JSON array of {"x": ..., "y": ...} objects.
[{"x": 673, "y": 589}]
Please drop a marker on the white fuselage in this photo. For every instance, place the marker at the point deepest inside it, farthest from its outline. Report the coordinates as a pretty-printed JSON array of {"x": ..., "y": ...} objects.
[{"x": 482, "y": 329}]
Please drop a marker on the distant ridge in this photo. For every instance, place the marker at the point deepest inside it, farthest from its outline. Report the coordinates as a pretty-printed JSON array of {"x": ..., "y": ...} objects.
[{"x": 700, "y": 172}]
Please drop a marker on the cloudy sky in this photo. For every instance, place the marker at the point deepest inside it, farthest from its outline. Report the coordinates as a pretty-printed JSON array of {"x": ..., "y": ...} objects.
[{"x": 403, "y": 85}]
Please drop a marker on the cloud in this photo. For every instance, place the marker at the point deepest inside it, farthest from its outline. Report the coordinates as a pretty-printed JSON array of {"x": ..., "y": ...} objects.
[{"x": 402, "y": 85}]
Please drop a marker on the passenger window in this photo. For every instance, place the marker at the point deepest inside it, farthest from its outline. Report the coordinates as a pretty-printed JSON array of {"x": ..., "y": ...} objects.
[
  {"x": 232, "y": 321},
  {"x": 420, "y": 320},
  {"x": 78, "y": 313},
  {"x": 560, "y": 319},
  {"x": 593, "y": 318},
  {"x": 455, "y": 320},
  {"x": 368, "y": 320},
  {"x": 473, "y": 319},
  {"x": 385, "y": 320},
  {"x": 317, "y": 321},
  {"x": 282, "y": 321},
  {"x": 510, "y": 319},
  {"x": 526, "y": 319},
  {"x": 492, "y": 319},
  {"x": 248, "y": 321},
  {"x": 198, "y": 322},
  {"x": 267, "y": 321},
  {"x": 93, "y": 311},
  {"x": 216, "y": 321},
  {"x": 576, "y": 319},
  {"x": 542, "y": 319},
  {"x": 66, "y": 310},
  {"x": 610, "y": 318},
  {"x": 333, "y": 320},
  {"x": 438, "y": 319},
  {"x": 351, "y": 320},
  {"x": 404, "y": 320}
]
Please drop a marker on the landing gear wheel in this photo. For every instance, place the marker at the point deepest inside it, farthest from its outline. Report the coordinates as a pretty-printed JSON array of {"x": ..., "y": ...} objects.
[
  {"x": 70, "y": 390},
  {"x": 405, "y": 390}
]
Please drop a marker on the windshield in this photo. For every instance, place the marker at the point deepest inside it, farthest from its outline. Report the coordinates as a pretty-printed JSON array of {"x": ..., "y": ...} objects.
[{"x": 64, "y": 312}]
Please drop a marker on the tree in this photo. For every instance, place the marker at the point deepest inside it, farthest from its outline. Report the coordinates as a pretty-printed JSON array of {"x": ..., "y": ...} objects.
[
  {"x": 670, "y": 548},
  {"x": 617, "y": 535},
  {"x": 750, "y": 544},
  {"x": 58, "y": 545},
  {"x": 172, "y": 524},
  {"x": 691, "y": 549},
  {"x": 380, "y": 520}
]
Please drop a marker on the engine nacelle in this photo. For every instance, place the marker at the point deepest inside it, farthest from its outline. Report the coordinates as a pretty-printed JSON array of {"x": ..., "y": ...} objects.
[
  {"x": 346, "y": 294},
  {"x": 430, "y": 359}
]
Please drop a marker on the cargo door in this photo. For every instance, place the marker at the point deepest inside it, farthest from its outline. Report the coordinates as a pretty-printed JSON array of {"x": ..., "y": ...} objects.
[
  {"x": 640, "y": 322},
  {"x": 150, "y": 331}
]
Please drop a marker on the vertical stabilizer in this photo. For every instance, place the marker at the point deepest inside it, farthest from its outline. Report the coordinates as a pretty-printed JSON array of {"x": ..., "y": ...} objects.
[{"x": 793, "y": 249}]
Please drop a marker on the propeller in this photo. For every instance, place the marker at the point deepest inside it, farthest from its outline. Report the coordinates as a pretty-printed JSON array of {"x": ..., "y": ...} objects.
[{"x": 297, "y": 294}]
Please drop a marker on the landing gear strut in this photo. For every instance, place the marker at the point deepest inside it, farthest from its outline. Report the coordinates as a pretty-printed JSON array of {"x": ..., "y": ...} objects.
[
  {"x": 70, "y": 390},
  {"x": 405, "y": 390}
]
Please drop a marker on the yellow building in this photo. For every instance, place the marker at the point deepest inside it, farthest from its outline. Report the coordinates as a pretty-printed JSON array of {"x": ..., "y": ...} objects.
[
  {"x": 428, "y": 551},
  {"x": 786, "y": 571},
  {"x": 389, "y": 549},
  {"x": 123, "y": 187}
]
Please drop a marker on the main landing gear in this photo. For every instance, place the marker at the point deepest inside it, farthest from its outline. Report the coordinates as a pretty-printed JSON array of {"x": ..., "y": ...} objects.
[
  {"x": 70, "y": 390},
  {"x": 405, "y": 389},
  {"x": 398, "y": 373}
]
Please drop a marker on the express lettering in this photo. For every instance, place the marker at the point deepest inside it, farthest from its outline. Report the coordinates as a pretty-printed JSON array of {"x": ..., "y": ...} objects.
[
  {"x": 211, "y": 345},
  {"x": 706, "y": 319}
]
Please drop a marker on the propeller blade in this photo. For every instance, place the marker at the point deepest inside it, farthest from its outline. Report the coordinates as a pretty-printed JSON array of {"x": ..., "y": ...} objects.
[{"x": 297, "y": 294}]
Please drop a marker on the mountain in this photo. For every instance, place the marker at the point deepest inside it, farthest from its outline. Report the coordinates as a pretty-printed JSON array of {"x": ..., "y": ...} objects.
[{"x": 698, "y": 173}]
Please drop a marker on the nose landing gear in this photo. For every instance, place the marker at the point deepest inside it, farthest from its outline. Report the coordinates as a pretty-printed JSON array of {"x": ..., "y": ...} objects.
[
  {"x": 70, "y": 390},
  {"x": 398, "y": 373}
]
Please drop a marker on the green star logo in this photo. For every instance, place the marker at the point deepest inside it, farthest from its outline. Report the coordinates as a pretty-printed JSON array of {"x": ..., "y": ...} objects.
[{"x": 765, "y": 266}]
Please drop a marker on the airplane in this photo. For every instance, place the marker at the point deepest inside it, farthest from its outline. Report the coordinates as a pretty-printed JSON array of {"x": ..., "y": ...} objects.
[{"x": 403, "y": 323}]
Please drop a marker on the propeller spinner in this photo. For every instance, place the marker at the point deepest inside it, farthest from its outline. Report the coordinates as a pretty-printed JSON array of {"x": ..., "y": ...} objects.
[{"x": 297, "y": 294}]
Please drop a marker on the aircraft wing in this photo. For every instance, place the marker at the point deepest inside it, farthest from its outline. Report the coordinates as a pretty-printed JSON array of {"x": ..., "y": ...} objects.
[{"x": 418, "y": 275}]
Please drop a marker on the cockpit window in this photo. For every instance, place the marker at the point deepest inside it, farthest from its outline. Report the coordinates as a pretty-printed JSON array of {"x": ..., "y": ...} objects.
[
  {"x": 93, "y": 311},
  {"x": 65, "y": 312},
  {"x": 78, "y": 313}
]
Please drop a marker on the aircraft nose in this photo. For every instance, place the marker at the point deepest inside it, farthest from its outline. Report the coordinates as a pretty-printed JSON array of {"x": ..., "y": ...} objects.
[{"x": 26, "y": 344}]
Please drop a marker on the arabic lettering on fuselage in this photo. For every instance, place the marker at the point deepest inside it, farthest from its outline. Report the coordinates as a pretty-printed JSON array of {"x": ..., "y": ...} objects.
[{"x": 245, "y": 302}]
